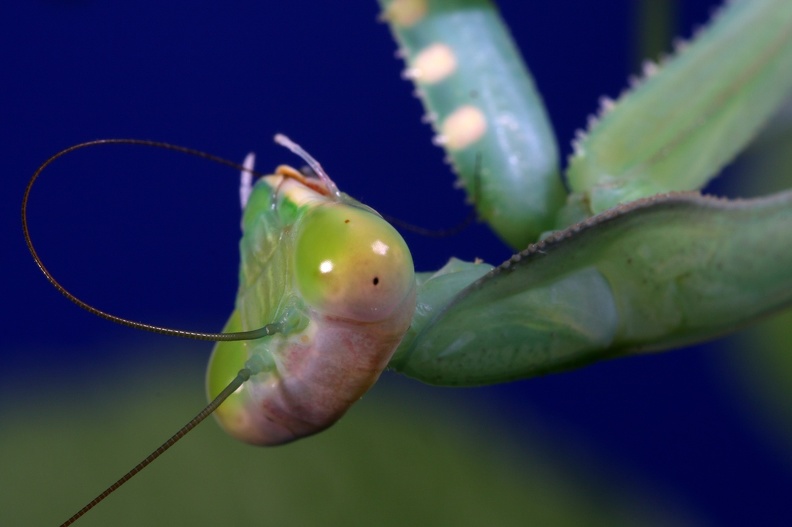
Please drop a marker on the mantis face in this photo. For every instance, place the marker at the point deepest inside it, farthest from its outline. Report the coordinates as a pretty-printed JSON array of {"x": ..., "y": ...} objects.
[{"x": 340, "y": 280}]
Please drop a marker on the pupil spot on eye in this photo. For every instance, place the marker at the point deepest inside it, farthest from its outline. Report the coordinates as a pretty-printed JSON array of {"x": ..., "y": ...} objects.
[{"x": 375, "y": 281}]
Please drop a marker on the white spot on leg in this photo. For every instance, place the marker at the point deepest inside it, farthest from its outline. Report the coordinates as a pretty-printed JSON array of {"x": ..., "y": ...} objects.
[
  {"x": 246, "y": 179},
  {"x": 433, "y": 64},
  {"x": 464, "y": 127}
]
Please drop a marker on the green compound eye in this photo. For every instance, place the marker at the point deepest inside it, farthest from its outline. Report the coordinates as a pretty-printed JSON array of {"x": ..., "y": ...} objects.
[{"x": 351, "y": 263}]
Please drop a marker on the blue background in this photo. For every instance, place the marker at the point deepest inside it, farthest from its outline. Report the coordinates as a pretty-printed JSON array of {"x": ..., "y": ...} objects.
[{"x": 152, "y": 235}]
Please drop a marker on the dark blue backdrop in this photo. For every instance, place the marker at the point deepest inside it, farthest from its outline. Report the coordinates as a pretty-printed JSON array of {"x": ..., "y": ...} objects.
[{"x": 153, "y": 235}]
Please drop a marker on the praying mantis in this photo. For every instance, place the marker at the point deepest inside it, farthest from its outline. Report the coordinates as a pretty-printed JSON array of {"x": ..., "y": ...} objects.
[{"x": 587, "y": 273}]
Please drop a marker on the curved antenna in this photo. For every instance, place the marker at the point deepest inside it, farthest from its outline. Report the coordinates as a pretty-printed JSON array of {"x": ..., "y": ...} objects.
[
  {"x": 269, "y": 329},
  {"x": 450, "y": 231},
  {"x": 313, "y": 163},
  {"x": 243, "y": 375},
  {"x": 433, "y": 233}
]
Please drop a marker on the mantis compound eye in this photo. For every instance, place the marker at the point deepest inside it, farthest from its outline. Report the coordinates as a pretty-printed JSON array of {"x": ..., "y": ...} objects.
[{"x": 351, "y": 263}]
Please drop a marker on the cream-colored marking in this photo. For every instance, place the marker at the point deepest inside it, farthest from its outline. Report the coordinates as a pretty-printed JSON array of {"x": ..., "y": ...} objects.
[
  {"x": 434, "y": 63},
  {"x": 405, "y": 13},
  {"x": 464, "y": 127}
]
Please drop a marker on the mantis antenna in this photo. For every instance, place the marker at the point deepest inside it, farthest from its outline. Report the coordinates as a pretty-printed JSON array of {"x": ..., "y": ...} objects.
[
  {"x": 269, "y": 329},
  {"x": 451, "y": 231},
  {"x": 252, "y": 367},
  {"x": 243, "y": 375}
]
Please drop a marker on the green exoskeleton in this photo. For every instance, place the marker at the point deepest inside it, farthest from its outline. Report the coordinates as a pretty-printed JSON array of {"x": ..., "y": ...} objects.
[
  {"x": 630, "y": 258},
  {"x": 626, "y": 264}
]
